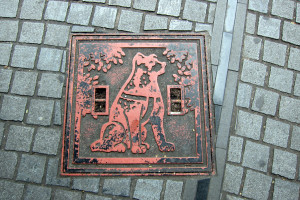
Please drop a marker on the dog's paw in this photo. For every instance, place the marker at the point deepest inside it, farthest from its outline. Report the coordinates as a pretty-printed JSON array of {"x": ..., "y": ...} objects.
[
  {"x": 167, "y": 146},
  {"x": 120, "y": 148},
  {"x": 138, "y": 149}
]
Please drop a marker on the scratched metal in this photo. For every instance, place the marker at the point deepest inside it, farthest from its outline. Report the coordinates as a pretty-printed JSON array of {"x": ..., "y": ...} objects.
[{"x": 138, "y": 105}]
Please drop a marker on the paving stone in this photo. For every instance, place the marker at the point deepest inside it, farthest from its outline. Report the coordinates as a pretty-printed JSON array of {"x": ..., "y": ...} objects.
[
  {"x": 281, "y": 79},
  {"x": 148, "y": 5},
  {"x": 8, "y": 30},
  {"x": 120, "y": 187},
  {"x": 56, "y": 81},
  {"x": 95, "y": 197},
  {"x": 32, "y": 9},
  {"x": 32, "y": 32},
  {"x": 86, "y": 184},
  {"x": 244, "y": 95},
  {"x": 64, "y": 62},
  {"x": 250, "y": 23},
  {"x": 291, "y": 33},
  {"x": 283, "y": 8},
  {"x": 57, "y": 35},
  {"x": 31, "y": 168},
  {"x": 204, "y": 27},
  {"x": 169, "y": 7},
  {"x": 289, "y": 109},
  {"x": 296, "y": 87},
  {"x": 153, "y": 22},
  {"x": 66, "y": 195},
  {"x": 252, "y": 47},
  {"x": 235, "y": 149},
  {"x": 229, "y": 197},
  {"x": 253, "y": 72},
  {"x": 230, "y": 16},
  {"x": 13, "y": 108},
  {"x": 24, "y": 83},
  {"x": 248, "y": 125},
  {"x": 24, "y": 56},
  {"x": 256, "y": 185},
  {"x": 97, "y": 1},
  {"x": 130, "y": 21},
  {"x": 11, "y": 190},
  {"x": 269, "y": 27},
  {"x": 40, "y": 112},
  {"x": 46, "y": 141},
  {"x": 173, "y": 190},
  {"x": 56, "y": 10},
  {"x": 50, "y": 59},
  {"x": 1, "y": 131},
  {"x": 259, "y": 5},
  {"x": 19, "y": 138},
  {"x": 5, "y": 76},
  {"x": 265, "y": 101},
  {"x": 194, "y": 10},
  {"x": 274, "y": 48},
  {"x": 8, "y": 162},
  {"x": 298, "y": 13},
  {"x": 105, "y": 17},
  {"x": 8, "y": 8},
  {"x": 232, "y": 178},
  {"x": 202, "y": 188},
  {"x": 34, "y": 192},
  {"x": 180, "y": 25},
  {"x": 276, "y": 133},
  {"x": 148, "y": 189},
  {"x": 294, "y": 59},
  {"x": 57, "y": 113},
  {"x": 284, "y": 164},
  {"x": 52, "y": 177},
  {"x": 82, "y": 29},
  {"x": 4, "y": 53},
  {"x": 123, "y": 3},
  {"x": 79, "y": 14},
  {"x": 285, "y": 190},
  {"x": 211, "y": 13}
]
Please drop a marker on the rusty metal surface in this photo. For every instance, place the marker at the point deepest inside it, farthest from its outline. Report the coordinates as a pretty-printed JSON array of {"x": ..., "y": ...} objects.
[{"x": 138, "y": 105}]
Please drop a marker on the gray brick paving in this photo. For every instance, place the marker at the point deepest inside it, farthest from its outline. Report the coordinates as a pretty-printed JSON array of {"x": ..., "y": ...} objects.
[
  {"x": 13, "y": 108},
  {"x": 5, "y": 76},
  {"x": 31, "y": 168},
  {"x": 32, "y": 32},
  {"x": 57, "y": 113},
  {"x": 8, "y": 8},
  {"x": 66, "y": 195},
  {"x": 232, "y": 178},
  {"x": 10, "y": 190},
  {"x": 40, "y": 112},
  {"x": 169, "y": 7},
  {"x": 56, "y": 10},
  {"x": 235, "y": 149},
  {"x": 19, "y": 138},
  {"x": 287, "y": 105},
  {"x": 173, "y": 190},
  {"x": 281, "y": 79},
  {"x": 120, "y": 187},
  {"x": 250, "y": 23},
  {"x": 105, "y": 17},
  {"x": 34, "y": 192},
  {"x": 96, "y": 197},
  {"x": 283, "y": 8},
  {"x": 244, "y": 95},
  {"x": 180, "y": 25},
  {"x": 4, "y": 53},
  {"x": 284, "y": 163},
  {"x": 194, "y": 10},
  {"x": 8, "y": 30},
  {"x": 297, "y": 86},
  {"x": 32, "y": 9},
  {"x": 298, "y": 13},
  {"x": 148, "y": 5},
  {"x": 230, "y": 16},
  {"x": 291, "y": 33},
  {"x": 259, "y": 5},
  {"x": 203, "y": 27},
  {"x": 1, "y": 131},
  {"x": 46, "y": 141},
  {"x": 153, "y": 22},
  {"x": 276, "y": 133},
  {"x": 254, "y": 72},
  {"x": 24, "y": 56},
  {"x": 229, "y": 197},
  {"x": 52, "y": 177},
  {"x": 79, "y": 13},
  {"x": 294, "y": 59},
  {"x": 269, "y": 27},
  {"x": 57, "y": 35},
  {"x": 285, "y": 190},
  {"x": 96, "y": 1},
  {"x": 249, "y": 125},
  {"x": 87, "y": 184},
  {"x": 56, "y": 81},
  {"x": 8, "y": 162},
  {"x": 82, "y": 29},
  {"x": 123, "y": 3},
  {"x": 295, "y": 140},
  {"x": 64, "y": 62},
  {"x": 211, "y": 13},
  {"x": 148, "y": 189},
  {"x": 274, "y": 48},
  {"x": 252, "y": 47},
  {"x": 257, "y": 185},
  {"x": 50, "y": 59},
  {"x": 130, "y": 21},
  {"x": 24, "y": 83},
  {"x": 265, "y": 101}
]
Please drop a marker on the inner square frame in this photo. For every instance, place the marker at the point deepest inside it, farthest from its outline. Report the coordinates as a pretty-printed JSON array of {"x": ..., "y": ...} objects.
[{"x": 200, "y": 164}]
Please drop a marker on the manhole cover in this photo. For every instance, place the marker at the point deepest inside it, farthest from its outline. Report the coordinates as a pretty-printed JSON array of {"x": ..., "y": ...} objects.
[{"x": 138, "y": 105}]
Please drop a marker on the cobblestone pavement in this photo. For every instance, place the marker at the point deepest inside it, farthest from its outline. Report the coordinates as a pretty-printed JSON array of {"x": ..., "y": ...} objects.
[{"x": 255, "y": 60}]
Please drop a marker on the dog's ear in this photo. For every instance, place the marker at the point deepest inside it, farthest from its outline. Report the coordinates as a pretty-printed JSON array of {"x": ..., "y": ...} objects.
[{"x": 139, "y": 58}]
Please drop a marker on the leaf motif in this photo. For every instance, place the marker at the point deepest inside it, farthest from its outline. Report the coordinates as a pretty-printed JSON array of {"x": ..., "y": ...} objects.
[
  {"x": 165, "y": 52},
  {"x": 91, "y": 67},
  {"x": 86, "y": 63},
  {"x": 115, "y": 61},
  {"x": 176, "y": 77},
  {"x": 183, "y": 68},
  {"x": 121, "y": 61},
  {"x": 179, "y": 65},
  {"x": 187, "y": 73},
  {"x": 189, "y": 67},
  {"x": 172, "y": 60},
  {"x": 122, "y": 53},
  {"x": 180, "y": 72},
  {"x": 95, "y": 82},
  {"x": 118, "y": 55},
  {"x": 96, "y": 77},
  {"x": 104, "y": 69},
  {"x": 108, "y": 66}
]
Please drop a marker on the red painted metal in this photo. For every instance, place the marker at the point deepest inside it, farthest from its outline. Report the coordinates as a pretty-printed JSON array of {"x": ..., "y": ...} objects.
[{"x": 138, "y": 105}]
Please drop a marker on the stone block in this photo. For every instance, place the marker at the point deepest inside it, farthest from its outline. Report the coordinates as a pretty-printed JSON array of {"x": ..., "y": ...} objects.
[
  {"x": 56, "y": 10},
  {"x": 294, "y": 59},
  {"x": 289, "y": 109},
  {"x": 204, "y": 27},
  {"x": 11, "y": 190},
  {"x": 56, "y": 81},
  {"x": 230, "y": 197},
  {"x": 230, "y": 16},
  {"x": 298, "y": 13},
  {"x": 269, "y": 27},
  {"x": 284, "y": 164},
  {"x": 296, "y": 87},
  {"x": 253, "y": 72},
  {"x": 34, "y": 192},
  {"x": 52, "y": 177},
  {"x": 235, "y": 149},
  {"x": 281, "y": 79},
  {"x": 19, "y": 138},
  {"x": 119, "y": 187},
  {"x": 66, "y": 195},
  {"x": 153, "y": 22},
  {"x": 96, "y": 197},
  {"x": 295, "y": 141},
  {"x": 283, "y": 8},
  {"x": 96, "y": 1},
  {"x": 57, "y": 35},
  {"x": 8, "y": 162},
  {"x": 244, "y": 95},
  {"x": 32, "y": 9},
  {"x": 46, "y": 141},
  {"x": 40, "y": 112},
  {"x": 148, "y": 189},
  {"x": 82, "y": 29},
  {"x": 277, "y": 133},
  {"x": 291, "y": 33},
  {"x": 13, "y": 108},
  {"x": 5, "y": 76},
  {"x": 4, "y": 53},
  {"x": 285, "y": 190},
  {"x": 211, "y": 13},
  {"x": 180, "y": 25},
  {"x": 1, "y": 131},
  {"x": 57, "y": 113},
  {"x": 24, "y": 83},
  {"x": 173, "y": 190},
  {"x": 50, "y": 59},
  {"x": 32, "y": 32},
  {"x": 31, "y": 168},
  {"x": 259, "y": 5},
  {"x": 79, "y": 13},
  {"x": 9, "y": 8},
  {"x": 87, "y": 184},
  {"x": 249, "y": 125},
  {"x": 265, "y": 101},
  {"x": 123, "y": 3},
  {"x": 194, "y": 10},
  {"x": 250, "y": 23},
  {"x": 169, "y": 7},
  {"x": 274, "y": 48},
  {"x": 24, "y": 56},
  {"x": 257, "y": 185},
  {"x": 148, "y": 5},
  {"x": 232, "y": 178},
  {"x": 105, "y": 17},
  {"x": 8, "y": 30},
  {"x": 252, "y": 47},
  {"x": 130, "y": 21}
]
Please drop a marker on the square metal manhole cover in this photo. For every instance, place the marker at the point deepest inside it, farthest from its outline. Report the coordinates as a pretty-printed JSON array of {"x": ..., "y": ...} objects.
[{"x": 138, "y": 105}]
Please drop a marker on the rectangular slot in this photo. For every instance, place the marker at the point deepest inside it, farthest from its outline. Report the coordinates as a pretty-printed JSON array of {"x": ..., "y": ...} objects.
[
  {"x": 175, "y": 93},
  {"x": 100, "y": 106},
  {"x": 101, "y": 98},
  {"x": 175, "y": 100},
  {"x": 100, "y": 93},
  {"x": 176, "y": 106}
]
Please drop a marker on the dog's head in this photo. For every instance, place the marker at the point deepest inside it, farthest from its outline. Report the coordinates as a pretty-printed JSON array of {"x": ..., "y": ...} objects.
[{"x": 149, "y": 62}]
